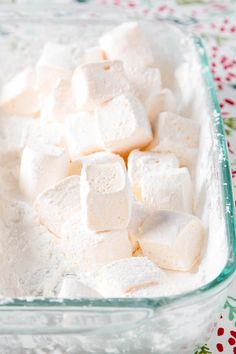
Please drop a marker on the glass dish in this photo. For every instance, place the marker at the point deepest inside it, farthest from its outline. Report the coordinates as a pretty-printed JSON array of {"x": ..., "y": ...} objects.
[{"x": 166, "y": 325}]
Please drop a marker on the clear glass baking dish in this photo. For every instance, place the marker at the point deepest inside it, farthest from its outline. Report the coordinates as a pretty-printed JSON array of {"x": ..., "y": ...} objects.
[{"x": 166, "y": 325}]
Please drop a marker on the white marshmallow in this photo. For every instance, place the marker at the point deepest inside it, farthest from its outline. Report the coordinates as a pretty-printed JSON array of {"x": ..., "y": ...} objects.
[
  {"x": 18, "y": 96},
  {"x": 59, "y": 203},
  {"x": 88, "y": 250},
  {"x": 55, "y": 62},
  {"x": 73, "y": 288},
  {"x": 39, "y": 134},
  {"x": 146, "y": 82},
  {"x": 92, "y": 55},
  {"x": 169, "y": 189},
  {"x": 176, "y": 134},
  {"x": 164, "y": 101},
  {"x": 127, "y": 42},
  {"x": 42, "y": 166},
  {"x": 81, "y": 134},
  {"x": 172, "y": 240},
  {"x": 105, "y": 196},
  {"x": 139, "y": 213},
  {"x": 96, "y": 83},
  {"x": 144, "y": 162},
  {"x": 123, "y": 124},
  {"x": 75, "y": 166},
  {"x": 59, "y": 103},
  {"x": 118, "y": 278}
]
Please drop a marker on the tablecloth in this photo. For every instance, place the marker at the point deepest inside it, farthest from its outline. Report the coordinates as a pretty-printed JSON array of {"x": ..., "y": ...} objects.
[{"x": 215, "y": 22}]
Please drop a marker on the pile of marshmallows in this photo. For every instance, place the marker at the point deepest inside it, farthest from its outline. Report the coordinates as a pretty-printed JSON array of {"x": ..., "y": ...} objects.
[{"x": 117, "y": 191}]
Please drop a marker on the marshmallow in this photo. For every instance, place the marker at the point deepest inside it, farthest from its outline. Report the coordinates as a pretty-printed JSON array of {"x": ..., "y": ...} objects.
[
  {"x": 118, "y": 278},
  {"x": 144, "y": 162},
  {"x": 105, "y": 196},
  {"x": 92, "y": 55},
  {"x": 169, "y": 189},
  {"x": 39, "y": 134},
  {"x": 123, "y": 124},
  {"x": 81, "y": 134},
  {"x": 55, "y": 63},
  {"x": 164, "y": 101},
  {"x": 95, "y": 83},
  {"x": 59, "y": 203},
  {"x": 41, "y": 166},
  {"x": 18, "y": 96},
  {"x": 75, "y": 166},
  {"x": 127, "y": 42},
  {"x": 88, "y": 250},
  {"x": 59, "y": 103},
  {"x": 172, "y": 240},
  {"x": 73, "y": 288},
  {"x": 139, "y": 213},
  {"x": 176, "y": 134},
  {"x": 146, "y": 82}
]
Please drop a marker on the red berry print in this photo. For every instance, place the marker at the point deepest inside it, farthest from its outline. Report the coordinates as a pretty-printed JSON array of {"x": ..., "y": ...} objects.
[
  {"x": 219, "y": 347},
  {"x": 220, "y": 331},
  {"x": 231, "y": 341}
]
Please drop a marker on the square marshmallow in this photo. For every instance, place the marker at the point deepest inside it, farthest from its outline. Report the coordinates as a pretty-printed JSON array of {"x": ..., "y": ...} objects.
[
  {"x": 18, "y": 96},
  {"x": 169, "y": 189},
  {"x": 147, "y": 162},
  {"x": 146, "y": 82},
  {"x": 93, "y": 55},
  {"x": 59, "y": 203},
  {"x": 123, "y": 124},
  {"x": 76, "y": 165},
  {"x": 164, "y": 101},
  {"x": 54, "y": 63},
  {"x": 139, "y": 213},
  {"x": 87, "y": 250},
  {"x": 105, "y": 196},
  {"x": 96, "y": 83},
  {"x": 176, "y": 134},
  {"x": 172, "y": 240},
  {"x": 42, "y": 166},
  {"x": 59, "y": 103},
  {"x": 81, "y": 134},
  {"x": 118, "y": 278},
  {"x": 127, "y": 42}
]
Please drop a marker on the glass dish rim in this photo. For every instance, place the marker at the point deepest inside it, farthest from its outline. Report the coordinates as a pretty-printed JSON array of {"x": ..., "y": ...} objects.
[{"x": 226, "y": 186}]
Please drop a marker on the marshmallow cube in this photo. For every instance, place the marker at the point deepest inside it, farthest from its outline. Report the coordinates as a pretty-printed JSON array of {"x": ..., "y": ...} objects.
[
  {"x": 123, "y": 124},
  {"x": 172, "y": 240},
  {"x": 127, "y": 42},
  {"x": 176, "y": 134},
  {"x": 92, "y": 55},
  {"x": 88, "y": 250},
  {"x": 105, "y": 196},
  {"x": 118, "y": 278},
  {"x": 55, "y": 63},
  {"x": 42, "y": 166},
  {"x": 76, "y": 165},
  {"x": 18, "y": 96},
  {"x": 139, "y": 213},
  {"x": 59, "y": 203},
  {"x": 73, "y": 288},
  {"x": 81, "y": 134},
  {"x": 96, "y": 83},
  {"x": 59, "y": 103},
  {"x": 164, "y": 101},
  {"x": 146, "y": 82},
  {"x": 169, "y": 189},
  {"x": 50, "y": 134},
  {"x": 145, "y": 162}
]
